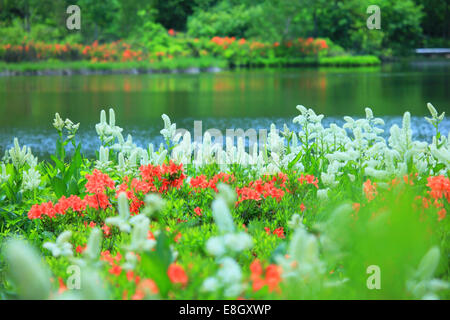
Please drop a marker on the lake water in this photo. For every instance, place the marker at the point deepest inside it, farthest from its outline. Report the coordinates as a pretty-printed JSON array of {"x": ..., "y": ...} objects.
[{"x": 224, "y": 100}]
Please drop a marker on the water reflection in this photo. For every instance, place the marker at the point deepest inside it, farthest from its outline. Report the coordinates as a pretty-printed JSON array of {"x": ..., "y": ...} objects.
[{"x": 27, "y": 104}]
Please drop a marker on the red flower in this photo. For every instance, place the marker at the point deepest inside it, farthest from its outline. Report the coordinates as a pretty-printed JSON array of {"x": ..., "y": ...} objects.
[
  {"x": 440, "y": 186},
  {"x": 256, "y": 269},
  {"x": 370, "y": 190},
  {"x": 171, "y": 32},
  {"x": 80, "y": 249},
  {"x": 199, "y": 182},
  {"x": 106, "y": 230},
  {"x": 98, "y": 181},
  {"x": 279, "y": 232},
  {"x": 176, "y": 274},
  {"x": 35, "y": 212},
  {"x": 115, "y": 270},
  {"x": 198, "y": 211},
  {"x": 302, "y": 207},
  {"x": 273, "y": 277}
]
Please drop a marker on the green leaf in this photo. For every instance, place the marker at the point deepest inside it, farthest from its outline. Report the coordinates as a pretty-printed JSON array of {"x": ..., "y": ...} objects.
[
  {"x": 58, "y": 163},
  {"x": 156, "y": 263},
  {"x": 59, "y": 187}
]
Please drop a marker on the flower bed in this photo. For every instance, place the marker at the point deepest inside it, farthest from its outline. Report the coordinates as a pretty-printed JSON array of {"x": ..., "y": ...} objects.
[
  {"x": 308, "y": 214},
  {"x": 174, "y": 48}
]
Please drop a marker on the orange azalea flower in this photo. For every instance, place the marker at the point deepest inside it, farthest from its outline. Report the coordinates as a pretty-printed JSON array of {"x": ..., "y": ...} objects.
[
  {"x": 273, "y": 277},
  {"x": 98, "y": 182},
  {"x": 279, "y": 232},
  {"x": 302, "y": 207},
  {"x": 440, "y": 187},
  {"x": 176, "y": 274},
  {"x": 198, "y": 211},
  {"x": 106, "y": 230}
]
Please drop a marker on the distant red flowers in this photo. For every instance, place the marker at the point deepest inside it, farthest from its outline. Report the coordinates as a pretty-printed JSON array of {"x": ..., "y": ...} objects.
[
  {"x": 279, "y": 232},
  {"x": 201, "y": 182},
  {"x": 198, "y": 211},
  {"x": 263, "y": 188}
]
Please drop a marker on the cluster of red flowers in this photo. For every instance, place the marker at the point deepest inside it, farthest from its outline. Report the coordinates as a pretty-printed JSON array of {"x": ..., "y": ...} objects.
[
  {"x": 95, "y": 52},
  {"x": 279, "y": 232},
  {"x": 272, "y": 277},
  {"x": 440, "y": 187},
  {"x": 201, "y": 182},
  {"x": 97, "y": 184},
  {"x": 225, "y": 42},
  {"x": 32, "y": 51},
  {"x": 120, "y": 51},
  {"x": 296, "y": 47},
  {"x": 370, "y": 190},
  {"x": 309, "y": 179},
  {"x": 153, "y": 179},
  {"x": 75, "y": 203},
  {"x": 263, "y": 188}
]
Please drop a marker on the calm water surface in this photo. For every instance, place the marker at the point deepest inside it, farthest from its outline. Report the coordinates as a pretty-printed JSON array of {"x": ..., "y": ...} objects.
[{"x": 228, "y": 99}]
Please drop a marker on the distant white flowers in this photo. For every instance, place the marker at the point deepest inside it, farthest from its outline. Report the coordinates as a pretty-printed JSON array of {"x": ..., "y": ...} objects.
[
  {"x": 23, "y": 161},
  {"x": 60, "y": 124},
  {"x": 357, "y": 145}
]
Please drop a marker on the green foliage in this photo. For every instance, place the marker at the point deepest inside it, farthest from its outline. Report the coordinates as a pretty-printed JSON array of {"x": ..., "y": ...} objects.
[{"x": 405, "y": 24}]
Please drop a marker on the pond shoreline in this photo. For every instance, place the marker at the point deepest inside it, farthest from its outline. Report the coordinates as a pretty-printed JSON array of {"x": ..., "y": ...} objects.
[
  {"x": 86, "y": 72},
  {"x": 61, "y": 68}
]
